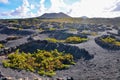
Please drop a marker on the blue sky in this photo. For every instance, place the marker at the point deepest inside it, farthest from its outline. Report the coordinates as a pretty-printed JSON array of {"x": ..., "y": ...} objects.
[{"x": 74, "y": 8}]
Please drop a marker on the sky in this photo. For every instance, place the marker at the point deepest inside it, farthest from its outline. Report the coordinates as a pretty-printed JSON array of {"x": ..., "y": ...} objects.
[{"x": 74, "y": 8}]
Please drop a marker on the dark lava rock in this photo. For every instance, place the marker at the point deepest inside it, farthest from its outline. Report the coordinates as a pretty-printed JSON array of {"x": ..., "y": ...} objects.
[
  {"x": 8, "y": 31},
  {"x": 45, "y": 45},
  {"x": 61, "y": 34},
  {"x": 106, "y": 45}
]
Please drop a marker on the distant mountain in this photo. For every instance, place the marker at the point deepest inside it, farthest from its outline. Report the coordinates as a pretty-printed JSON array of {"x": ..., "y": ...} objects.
[
  {"x": 84, "y": 17},
  {"x": 54, "y": 15}
]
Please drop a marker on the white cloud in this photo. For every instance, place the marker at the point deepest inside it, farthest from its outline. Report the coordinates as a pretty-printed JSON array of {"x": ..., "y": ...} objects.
[
  {"x": 24, "y": 10},
  {"x": 116, "y": 6},
  {"x": 55, "y": 5},
  {"x": 4, "y": 1},
  {"x": 58, "y": 6},
  {"x": 90, "y": 8},
  {"x": 32, "y": 6},
  {"x": 42, "y": 8},
  {"x": 93, "y": 8}
]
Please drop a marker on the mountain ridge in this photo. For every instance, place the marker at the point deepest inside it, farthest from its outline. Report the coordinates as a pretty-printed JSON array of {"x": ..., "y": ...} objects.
[{"x": 54, "y": 15}]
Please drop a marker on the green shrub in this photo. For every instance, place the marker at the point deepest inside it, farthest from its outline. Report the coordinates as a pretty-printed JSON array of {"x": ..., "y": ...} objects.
[
  {"x": 40, "y": 29},
  {"x": 41, "y": 72},
  {"x": 1, "y": 46},
  {"x": 108, "y": 40},
  {"x": 66, "y": 66},
  {"x": 117, "y": 43},
  {"x": 51, "y": 29},
  {"x": 50, "y": 73},
  {"x": 52, "y": 40},
  {"x": 43, "y": 62},
  {"x": 111, "y": 40},
  {"x": 75, "y": 39}
]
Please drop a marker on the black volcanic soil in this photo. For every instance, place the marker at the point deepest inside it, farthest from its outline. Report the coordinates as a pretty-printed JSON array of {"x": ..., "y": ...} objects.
[
  {"x": 104, "y": 66},
  {"x": 61, "y": 34},
  {"x": 10, "y": 31}
]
